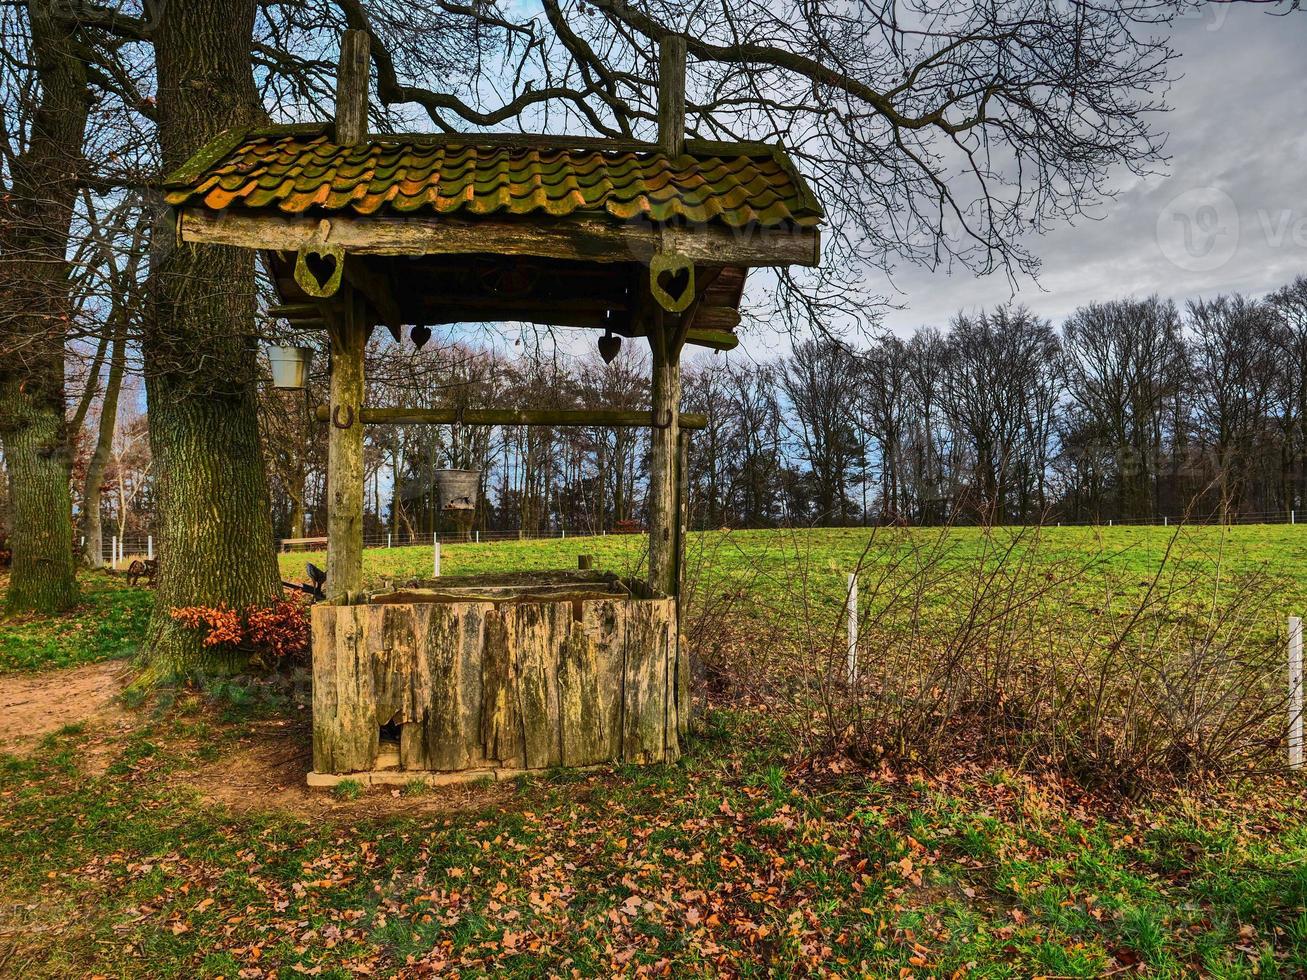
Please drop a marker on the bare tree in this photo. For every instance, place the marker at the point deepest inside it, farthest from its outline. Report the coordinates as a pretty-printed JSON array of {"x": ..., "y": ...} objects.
[{"x": 1236, "y": 353}]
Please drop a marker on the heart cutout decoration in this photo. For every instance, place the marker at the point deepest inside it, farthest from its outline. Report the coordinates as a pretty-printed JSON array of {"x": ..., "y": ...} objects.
[
  {"x": 318, "y": 269},
  {"x": 420, "y": 336},
  {"x": 675, "y": 283},
  {"x": 609, "y": 345},
  {"x": 671, "y": 281}
]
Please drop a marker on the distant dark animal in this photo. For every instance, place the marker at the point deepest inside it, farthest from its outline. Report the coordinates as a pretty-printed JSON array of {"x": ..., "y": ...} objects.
[
  {"x": 314, "y": 587},
  {"x": 142, "y": 569}
]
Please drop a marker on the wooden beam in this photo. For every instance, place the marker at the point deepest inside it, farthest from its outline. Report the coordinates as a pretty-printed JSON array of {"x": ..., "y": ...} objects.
[
  {"x": 376, "y": 287},
  {"x": 345, "y": 451},
  {"x": 352, "y": 88},
  {"x": 296, "y": 311},
  {"x": 716, "y": 318},
  {"x": 586, "y": 239},
  {"x": 671, "y": 94},
  {"x": 721, "y": 340},
  {"x": 663, "y": 454},
  {"x": 559, "y": 417}
]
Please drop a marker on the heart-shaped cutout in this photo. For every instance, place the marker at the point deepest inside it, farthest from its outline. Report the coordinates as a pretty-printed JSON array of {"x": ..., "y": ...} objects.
[
  {"x": 318, "y": 269},
  {"x": 674, "y": 284},
  {"x": 321, "y": 267},
  {"x": 420, "y": 336},
  {"x": 671, "y": 281},
  {"x": 609, "y": 345}
]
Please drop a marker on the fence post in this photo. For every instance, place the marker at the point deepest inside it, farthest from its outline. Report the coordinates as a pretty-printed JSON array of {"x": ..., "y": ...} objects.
[
  {"x": 851, "y": 612},
  {"x": 388, "y": 533},
  {"x": 1166, "y": 521},
  {"x": 1295, "y": 692},
  {"x": 478, "y": 534},
  {"x": 149, "y": 547},
  {"x": 435, "y": 555}
]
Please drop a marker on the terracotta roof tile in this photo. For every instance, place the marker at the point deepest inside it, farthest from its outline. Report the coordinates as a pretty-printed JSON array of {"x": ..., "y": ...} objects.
[{"x": 294, "y": 169}]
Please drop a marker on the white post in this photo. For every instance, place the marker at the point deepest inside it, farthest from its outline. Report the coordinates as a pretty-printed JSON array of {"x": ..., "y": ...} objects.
[
  {"x": 564, "y": 532},
  {"x": 478, "y": 536},
  {"x": 149, "y": 547},
  {"x": 387, "y": 539},
  {"x": 1295, "y": 692},
  {"x": 851, "y": 613},
  {"x": 435, "y": 556},
  {"x": 1166, "y": 521},
  {"x": 1109, "y": 522}
]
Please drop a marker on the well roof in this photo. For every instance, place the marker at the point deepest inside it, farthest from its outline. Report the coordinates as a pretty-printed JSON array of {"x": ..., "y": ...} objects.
[{"x": 299, "y": 170}]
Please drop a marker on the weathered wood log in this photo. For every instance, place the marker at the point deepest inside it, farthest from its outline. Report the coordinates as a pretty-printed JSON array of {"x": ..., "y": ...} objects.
[
  {"x": 597, "y": 417},
  {"x": 352, "y": 88},
  {"x": 573, "y": 681},
  {"x": 345, "y": 450},
  {"x": 596, "y": 240}
]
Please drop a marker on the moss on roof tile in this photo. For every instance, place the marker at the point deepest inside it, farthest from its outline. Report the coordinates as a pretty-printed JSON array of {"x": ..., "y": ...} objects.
[{"x": 294, "y": 169}]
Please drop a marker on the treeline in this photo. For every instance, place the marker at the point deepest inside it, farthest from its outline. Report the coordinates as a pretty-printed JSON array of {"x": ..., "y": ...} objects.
[{"x": 1129, "y": 410}]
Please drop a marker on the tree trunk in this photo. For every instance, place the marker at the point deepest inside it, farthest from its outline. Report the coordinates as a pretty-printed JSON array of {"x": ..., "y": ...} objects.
[
  {"x": 215, "y": 524},
  {"x": 93, "y": 550},
  {"x": 36, "y": 214}
]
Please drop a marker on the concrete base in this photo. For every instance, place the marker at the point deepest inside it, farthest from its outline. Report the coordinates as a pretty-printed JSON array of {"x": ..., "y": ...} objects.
[{"x": 400, "y": 777}]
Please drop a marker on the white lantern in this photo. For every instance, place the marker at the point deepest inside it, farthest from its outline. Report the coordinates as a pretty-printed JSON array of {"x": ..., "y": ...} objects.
[{"x": 290, "y": 366}]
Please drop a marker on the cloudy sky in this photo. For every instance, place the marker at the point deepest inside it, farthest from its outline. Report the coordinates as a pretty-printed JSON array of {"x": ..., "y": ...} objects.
[{"x": 1229, "y": 213}]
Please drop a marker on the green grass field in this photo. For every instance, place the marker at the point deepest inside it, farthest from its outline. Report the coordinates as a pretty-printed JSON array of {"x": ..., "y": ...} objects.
[
  {"x": 170, "y": 851},
  {"x": 1100, "y": 564}
]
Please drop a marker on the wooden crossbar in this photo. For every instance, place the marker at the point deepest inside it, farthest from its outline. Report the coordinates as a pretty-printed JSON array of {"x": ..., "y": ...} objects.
[{"x": 595, "y": 417}]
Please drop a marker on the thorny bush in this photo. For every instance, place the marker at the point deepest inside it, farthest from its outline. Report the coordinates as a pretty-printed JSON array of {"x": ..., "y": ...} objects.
[{"x": 1127, "y": 682}]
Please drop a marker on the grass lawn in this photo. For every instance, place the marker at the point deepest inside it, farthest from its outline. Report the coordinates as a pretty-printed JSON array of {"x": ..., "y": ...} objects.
[
  {"x": 108, "y": 623},
  {"x": 168, "y": 852}
]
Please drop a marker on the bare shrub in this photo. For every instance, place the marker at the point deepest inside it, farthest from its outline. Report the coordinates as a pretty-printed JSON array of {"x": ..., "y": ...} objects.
[{"x": 1003, "y": 646}]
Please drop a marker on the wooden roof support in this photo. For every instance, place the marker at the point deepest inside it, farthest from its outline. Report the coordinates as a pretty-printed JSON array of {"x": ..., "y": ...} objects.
[
  {"x": 555, "y": 417},
  {"x": 595, "y": 239},
  {"x": 352, "y": 88},
  {"x": 345, "y": 447},
  {"x": 671, "y": 94}
]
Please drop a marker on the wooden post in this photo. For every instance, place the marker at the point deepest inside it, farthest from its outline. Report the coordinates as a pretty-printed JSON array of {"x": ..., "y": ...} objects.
[
  {"x": 345, "y": 449},
  {"x": 352, "y": 88},
  {"x": 671, "y": 94},
  {"x": 682, "y": 506},
  {"x": 663, "y": 439},
  {"x": 851, "y": 613},
  {"x": 1295, "y": 692}
]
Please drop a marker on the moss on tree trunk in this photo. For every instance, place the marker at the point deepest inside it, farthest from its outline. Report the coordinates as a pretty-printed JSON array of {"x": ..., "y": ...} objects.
[
  {"x": 215, "y": 527},
  {"x": 35, "y": 215}
]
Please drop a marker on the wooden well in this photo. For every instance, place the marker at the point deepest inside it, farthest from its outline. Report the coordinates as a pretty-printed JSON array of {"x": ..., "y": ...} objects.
[
  {"x": 469, "y": 677},
  {"x": 496, "y": 675}
]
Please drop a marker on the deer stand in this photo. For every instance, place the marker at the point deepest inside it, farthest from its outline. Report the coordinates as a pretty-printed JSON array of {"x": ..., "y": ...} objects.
[{"x": 458, "y": 678}]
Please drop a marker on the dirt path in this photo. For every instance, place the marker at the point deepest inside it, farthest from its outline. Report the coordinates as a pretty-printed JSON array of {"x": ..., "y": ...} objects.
[{"x": 33, "y": 705}]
